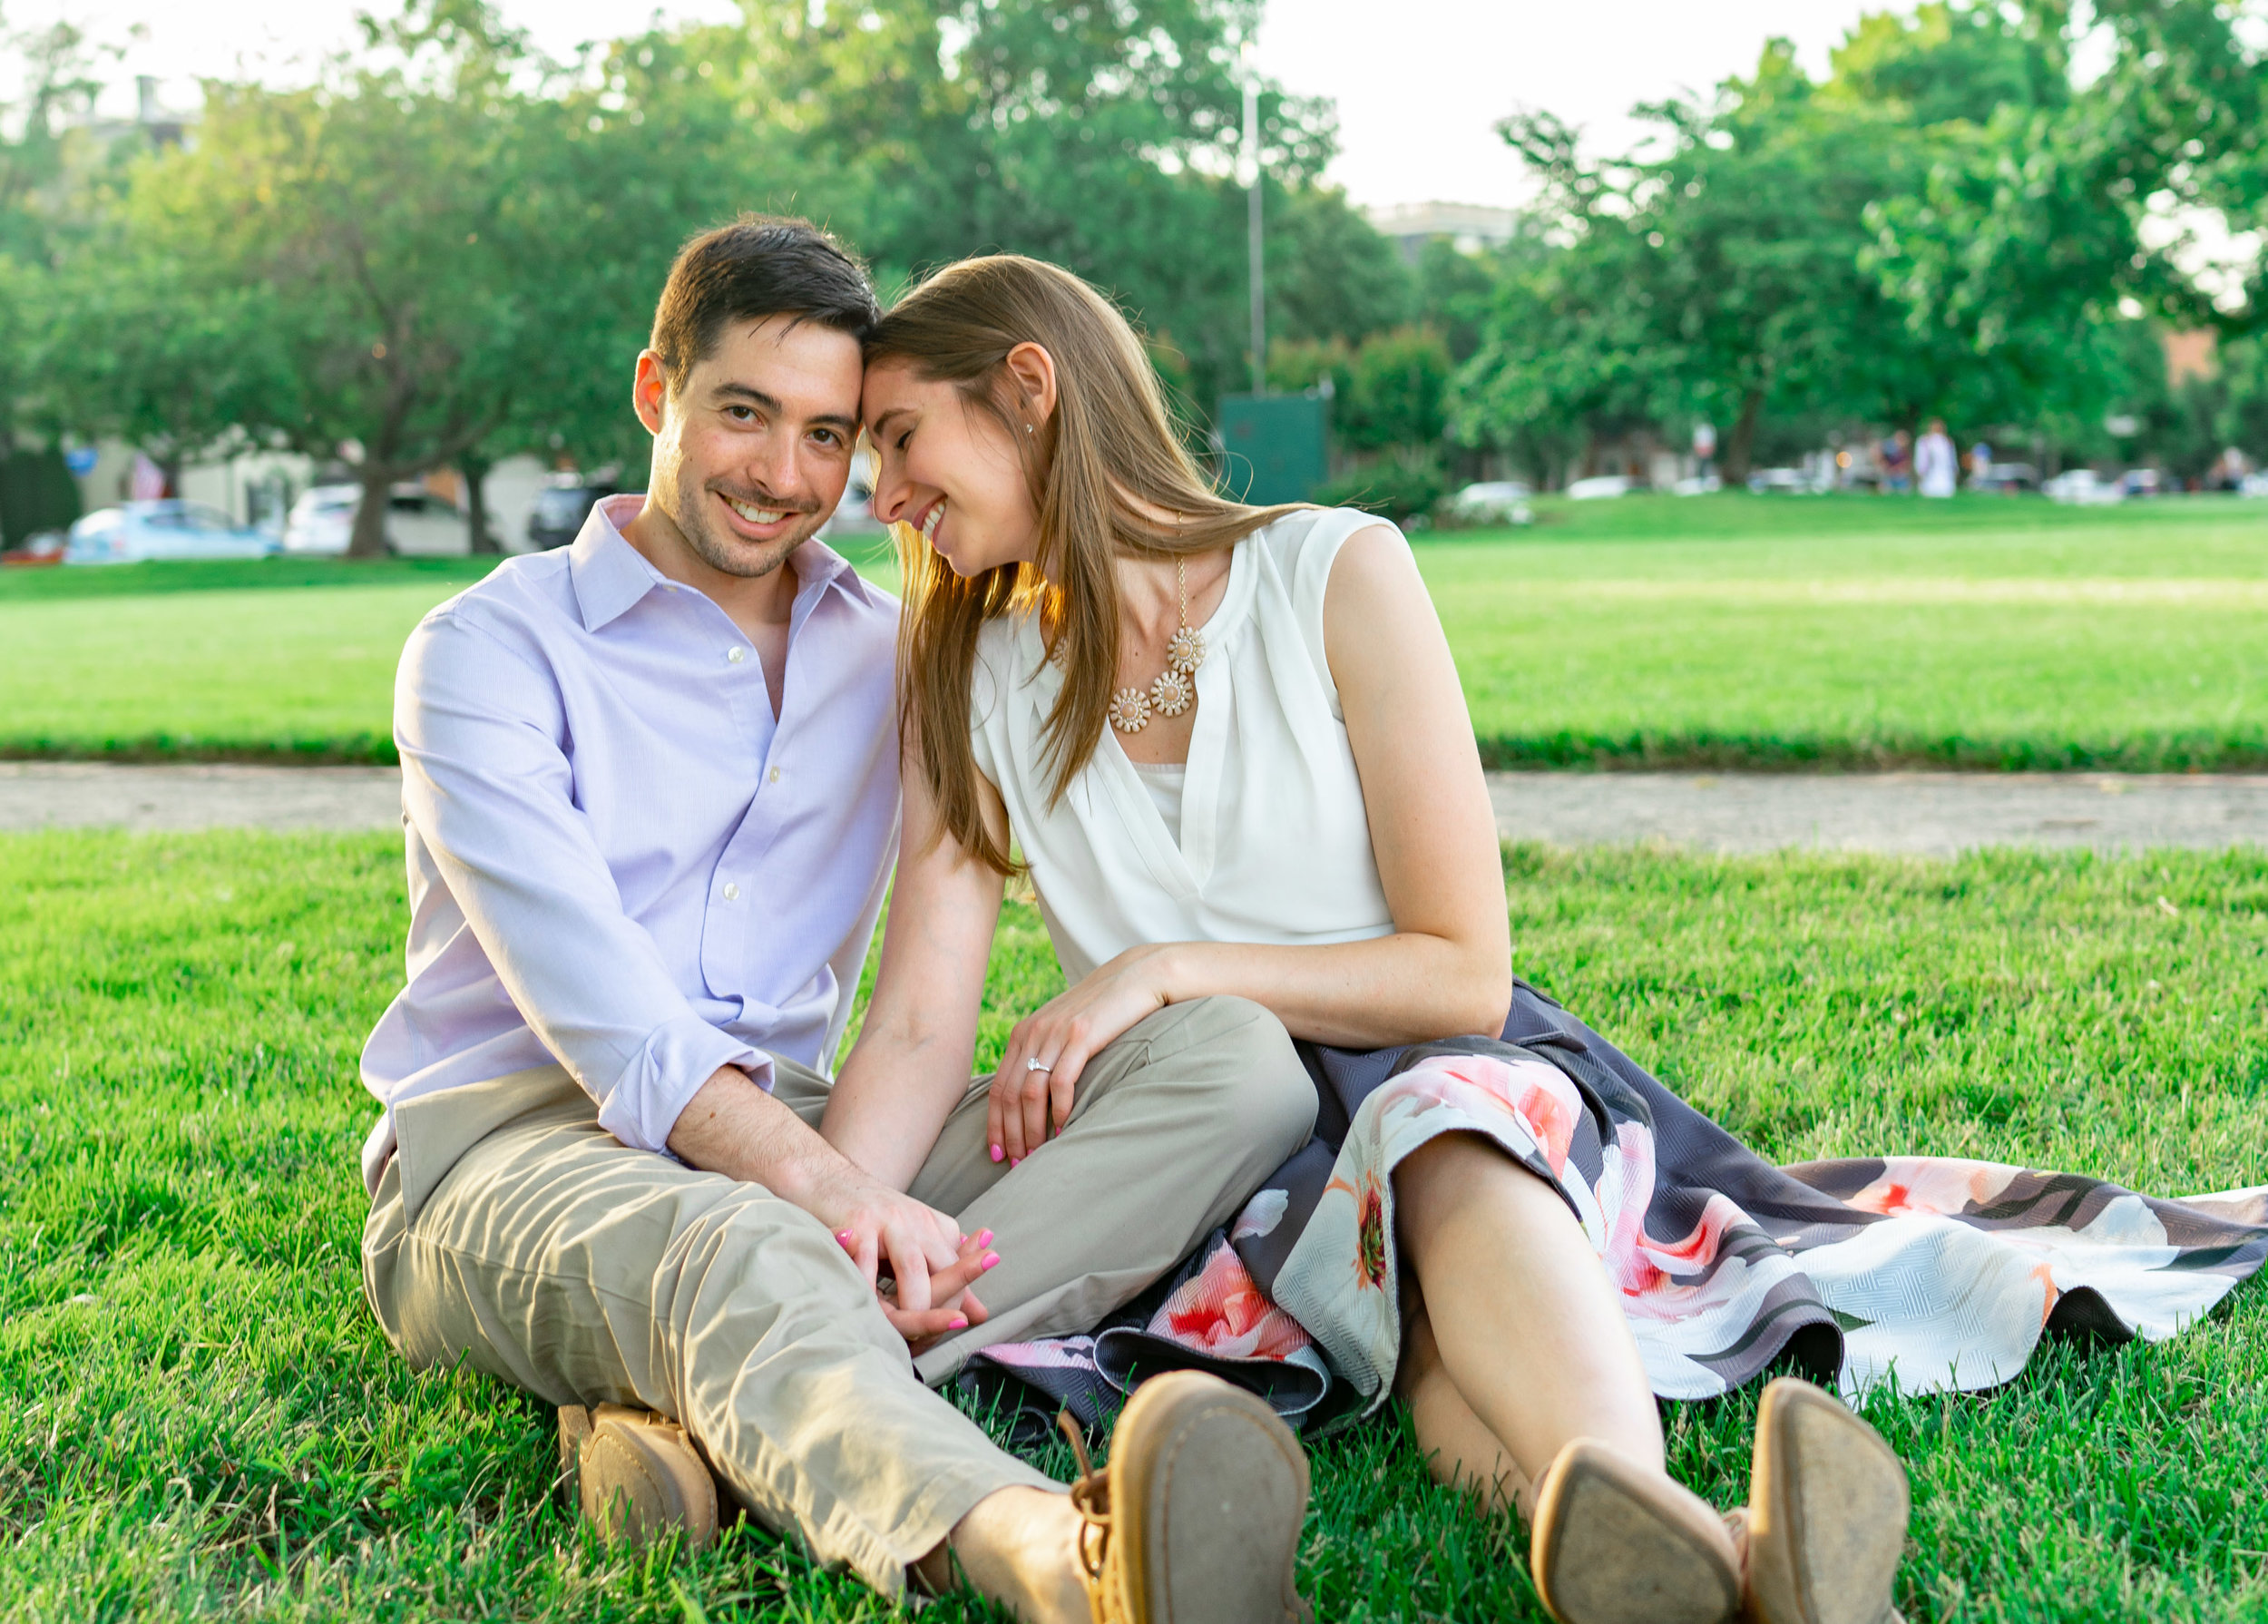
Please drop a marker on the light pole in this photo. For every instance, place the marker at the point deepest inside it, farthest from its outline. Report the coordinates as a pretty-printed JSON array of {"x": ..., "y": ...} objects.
[{"x": 1253, "y": 224}]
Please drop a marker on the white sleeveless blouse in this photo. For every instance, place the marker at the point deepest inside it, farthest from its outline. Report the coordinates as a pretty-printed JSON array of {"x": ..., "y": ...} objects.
[{"x": 1274, "y": 845}]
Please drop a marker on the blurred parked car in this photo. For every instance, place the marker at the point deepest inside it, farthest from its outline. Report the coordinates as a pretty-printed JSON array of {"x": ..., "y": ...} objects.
[
  {"x": 1598, "y": 487},
  {"x": 2005, "y": 479},
  {"x": 560, "y": 507},
  {"x": 169, "y": 528},
  {"x": 1493, "y": 502},
  {"x": 37, "y": 552},
  {"x": 2083, "y": 487},
  {"x": 322, "y": 521},
  {"x": 1798, "y": 481}
]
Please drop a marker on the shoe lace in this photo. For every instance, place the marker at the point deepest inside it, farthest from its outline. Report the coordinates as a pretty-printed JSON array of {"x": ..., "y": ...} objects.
[{"x": 1091, "y": 1496}]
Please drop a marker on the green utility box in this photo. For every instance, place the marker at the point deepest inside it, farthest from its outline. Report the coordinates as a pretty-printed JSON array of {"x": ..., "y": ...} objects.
[{"x": 1273, "y": 447}]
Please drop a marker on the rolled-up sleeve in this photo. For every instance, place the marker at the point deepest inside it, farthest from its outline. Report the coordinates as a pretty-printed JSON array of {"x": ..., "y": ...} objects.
[{"x": 486, "y": 781}]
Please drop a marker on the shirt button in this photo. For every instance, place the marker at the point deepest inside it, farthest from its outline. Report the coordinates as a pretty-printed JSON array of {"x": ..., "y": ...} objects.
[
  {"x": 773, "y": 776},
  {"x": 736, "y": 655},
  {"x": 732, "y": 892}
]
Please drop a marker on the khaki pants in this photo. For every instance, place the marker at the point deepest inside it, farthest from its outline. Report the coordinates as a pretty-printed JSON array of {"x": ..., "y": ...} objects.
[{"x": 515, "y": 1233}]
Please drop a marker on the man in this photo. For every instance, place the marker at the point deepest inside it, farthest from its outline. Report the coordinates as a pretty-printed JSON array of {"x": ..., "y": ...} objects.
[
  {"x": 649, "y": 786},
  {"x": 1936, "y": 464}
]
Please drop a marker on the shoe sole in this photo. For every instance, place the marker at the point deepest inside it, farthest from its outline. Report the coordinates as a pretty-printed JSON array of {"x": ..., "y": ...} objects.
[
  {"x": 1611, "y": 1547},
  {"x": 1209, "y": 1492},
  {"x": 639, "y": 1479},
  {"x": 1828, "y": 1506}
]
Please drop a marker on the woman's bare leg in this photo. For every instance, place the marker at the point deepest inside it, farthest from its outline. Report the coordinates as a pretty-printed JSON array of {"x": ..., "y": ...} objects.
[
  {"x": 1459, "y": 1447},
  {"x": 1523, "y": 1325}
]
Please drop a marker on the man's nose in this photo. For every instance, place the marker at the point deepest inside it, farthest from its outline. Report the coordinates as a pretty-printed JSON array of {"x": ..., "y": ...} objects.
[{"x": 772, "y": 466}]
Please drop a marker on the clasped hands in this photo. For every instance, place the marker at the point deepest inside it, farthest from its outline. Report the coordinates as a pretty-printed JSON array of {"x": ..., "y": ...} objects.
[{"x": 918, "y": 1262}]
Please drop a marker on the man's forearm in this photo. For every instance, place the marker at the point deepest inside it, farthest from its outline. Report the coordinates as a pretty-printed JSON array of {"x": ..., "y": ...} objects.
[{"x": 731, "y": 1126}]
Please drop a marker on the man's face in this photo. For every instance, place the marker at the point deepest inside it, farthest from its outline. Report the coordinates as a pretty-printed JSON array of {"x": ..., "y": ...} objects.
[{"x": 752, "y": 450}]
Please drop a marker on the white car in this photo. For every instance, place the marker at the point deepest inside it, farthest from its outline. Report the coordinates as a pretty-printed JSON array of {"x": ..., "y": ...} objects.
[
  {"x": 1493, "y": 502},
  {"x": 134, "y": 532},
  {"x": 1599, "y": 487},
  {"x": 322, "y": 522},
  {"x": 2083, "y": 487}
]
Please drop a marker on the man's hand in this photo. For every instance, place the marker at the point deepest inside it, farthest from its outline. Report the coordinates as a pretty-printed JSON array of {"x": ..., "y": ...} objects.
[{"x": 731, "y": 1126}]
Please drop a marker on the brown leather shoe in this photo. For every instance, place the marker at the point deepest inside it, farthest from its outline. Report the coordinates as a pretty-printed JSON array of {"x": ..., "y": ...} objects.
[
  {"x": 1196, "y": 1520},
  {"x": 1827, "y": 1510},
  {"x": 636, "y": 1475},
  {"x": 1613, "y": 1543}
]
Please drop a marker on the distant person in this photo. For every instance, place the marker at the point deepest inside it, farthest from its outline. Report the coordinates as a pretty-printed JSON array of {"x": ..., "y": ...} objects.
[
  {"x": 1980, "y": 461},
  {"x": 1896, "y": 456},
  {"x": 1936, "y": 464},
  {"x": 650, "y": 788}
]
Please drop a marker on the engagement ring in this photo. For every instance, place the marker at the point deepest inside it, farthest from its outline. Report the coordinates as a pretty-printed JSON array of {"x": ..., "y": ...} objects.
[{"x": 1034, "y": 1065}]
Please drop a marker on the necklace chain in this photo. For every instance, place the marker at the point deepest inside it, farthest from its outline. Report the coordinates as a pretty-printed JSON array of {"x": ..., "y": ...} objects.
[{"x": 1174, "y": 688}]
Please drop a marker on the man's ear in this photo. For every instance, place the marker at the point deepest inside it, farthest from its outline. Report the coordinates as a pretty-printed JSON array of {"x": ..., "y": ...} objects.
[
  {"x": 1032, "y": 373},
  {"x": 650, "y": 391}
]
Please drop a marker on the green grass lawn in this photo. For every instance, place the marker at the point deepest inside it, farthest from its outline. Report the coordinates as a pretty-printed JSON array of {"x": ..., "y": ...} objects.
[
  {"x": 202, "y": 1421},
  {"x": 1720, "y": 632}
]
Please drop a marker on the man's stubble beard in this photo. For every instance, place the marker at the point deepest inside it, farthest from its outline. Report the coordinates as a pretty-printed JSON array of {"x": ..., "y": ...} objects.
[{"x": 729, "y": 555}]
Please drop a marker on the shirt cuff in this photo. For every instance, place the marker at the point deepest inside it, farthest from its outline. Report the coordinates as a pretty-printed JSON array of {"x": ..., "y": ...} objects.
[{"x": 655, "y": 1088}]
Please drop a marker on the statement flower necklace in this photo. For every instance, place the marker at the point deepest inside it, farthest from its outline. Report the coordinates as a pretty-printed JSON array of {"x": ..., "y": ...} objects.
[{"x": 1174, "y": 690}]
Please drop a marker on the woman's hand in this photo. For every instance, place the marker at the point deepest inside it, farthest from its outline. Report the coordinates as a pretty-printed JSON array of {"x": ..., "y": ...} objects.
[
  {"x": 914, "y": 1257},
  {"x": 1049, "y": 1048}
]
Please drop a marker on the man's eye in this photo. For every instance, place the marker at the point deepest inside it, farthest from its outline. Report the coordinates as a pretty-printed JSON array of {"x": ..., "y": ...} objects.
[
  {"x": 826, "y": 436},
  {"x": 741, "y": 414}
]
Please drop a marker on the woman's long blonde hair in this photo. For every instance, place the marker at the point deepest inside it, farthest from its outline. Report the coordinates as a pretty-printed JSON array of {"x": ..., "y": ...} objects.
[{"x": 1098, "y": 469}]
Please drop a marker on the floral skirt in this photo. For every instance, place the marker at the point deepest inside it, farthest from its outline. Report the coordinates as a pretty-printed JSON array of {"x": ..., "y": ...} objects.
[{"x": 1940, "y": 1273}]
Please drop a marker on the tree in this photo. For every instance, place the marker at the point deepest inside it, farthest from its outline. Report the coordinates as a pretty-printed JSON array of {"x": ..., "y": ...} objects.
[
  {"x": 376, "y": 211},
  {"x": 1726, "y": 270},
  {"x": 1102, "y": 138}
]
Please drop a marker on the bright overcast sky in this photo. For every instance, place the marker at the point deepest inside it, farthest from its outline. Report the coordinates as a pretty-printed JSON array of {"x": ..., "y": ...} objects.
[{"x": 1416, "y": 94}]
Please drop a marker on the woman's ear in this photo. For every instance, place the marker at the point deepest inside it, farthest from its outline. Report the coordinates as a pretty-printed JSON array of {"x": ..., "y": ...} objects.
[{"x": 1032, "y": 372}]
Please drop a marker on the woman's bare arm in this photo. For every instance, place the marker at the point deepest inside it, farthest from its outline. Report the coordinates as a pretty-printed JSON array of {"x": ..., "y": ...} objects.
[{"x": 911, "y": 1065}]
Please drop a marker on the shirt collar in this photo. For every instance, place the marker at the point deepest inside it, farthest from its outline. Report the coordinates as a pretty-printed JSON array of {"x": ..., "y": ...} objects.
[{"x": 610, "y": 575}]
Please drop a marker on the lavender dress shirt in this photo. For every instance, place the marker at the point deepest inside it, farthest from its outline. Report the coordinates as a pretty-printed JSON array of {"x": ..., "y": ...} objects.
[{"x": 618, "y": 859}]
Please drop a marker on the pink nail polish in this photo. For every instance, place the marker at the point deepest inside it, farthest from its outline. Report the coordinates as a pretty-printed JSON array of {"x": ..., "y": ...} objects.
[
  {"x": 1016, "y": 1162},
  {"x": 991, "y": 1259},
  {"x": 846, "y": 1237},
  {"x": 998, "y": 1152},
  {"x": 959, "y": 1322},
  {"x": 984, "y": 1238}
]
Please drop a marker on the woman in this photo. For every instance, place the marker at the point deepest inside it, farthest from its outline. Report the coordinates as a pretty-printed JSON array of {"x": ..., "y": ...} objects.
[{"x": 1231, "y": 745}]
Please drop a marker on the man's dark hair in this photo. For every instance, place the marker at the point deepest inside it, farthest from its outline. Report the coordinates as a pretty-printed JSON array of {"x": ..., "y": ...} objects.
[{"x": 759, "y": 265}]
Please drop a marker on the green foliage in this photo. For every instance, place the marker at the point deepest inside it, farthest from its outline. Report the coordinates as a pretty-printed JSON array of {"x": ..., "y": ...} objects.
[
  {"x": 1403, "y": 484},
  {"x": 1726, "y": 274},
  {"x": 207, "y": 1423},
  {"x": 37, "y": 493}
]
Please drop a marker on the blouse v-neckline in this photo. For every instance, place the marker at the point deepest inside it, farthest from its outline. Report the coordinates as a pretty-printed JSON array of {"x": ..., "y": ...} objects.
[{"x": 1183, "y": 866}]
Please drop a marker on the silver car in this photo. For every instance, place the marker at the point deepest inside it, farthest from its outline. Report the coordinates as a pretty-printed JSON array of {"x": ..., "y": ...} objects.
[{"x": 134, "y": 532}]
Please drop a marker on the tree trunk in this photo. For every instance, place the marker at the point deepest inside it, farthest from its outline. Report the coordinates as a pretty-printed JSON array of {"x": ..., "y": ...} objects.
[
  {"x": 474, "y": 470},
  {"x": 1740, "y": 445},
  {"x": 368, "y": 540}
]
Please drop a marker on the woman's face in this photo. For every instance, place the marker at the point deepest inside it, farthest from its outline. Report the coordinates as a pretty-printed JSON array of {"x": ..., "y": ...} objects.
[{"x": 950, "y": 471}]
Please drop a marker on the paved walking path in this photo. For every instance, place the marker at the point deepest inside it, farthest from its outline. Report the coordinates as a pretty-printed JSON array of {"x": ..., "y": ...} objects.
[
  {"x": 1929, "y": 813},
  {"x": 1934, "y": 813}
]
